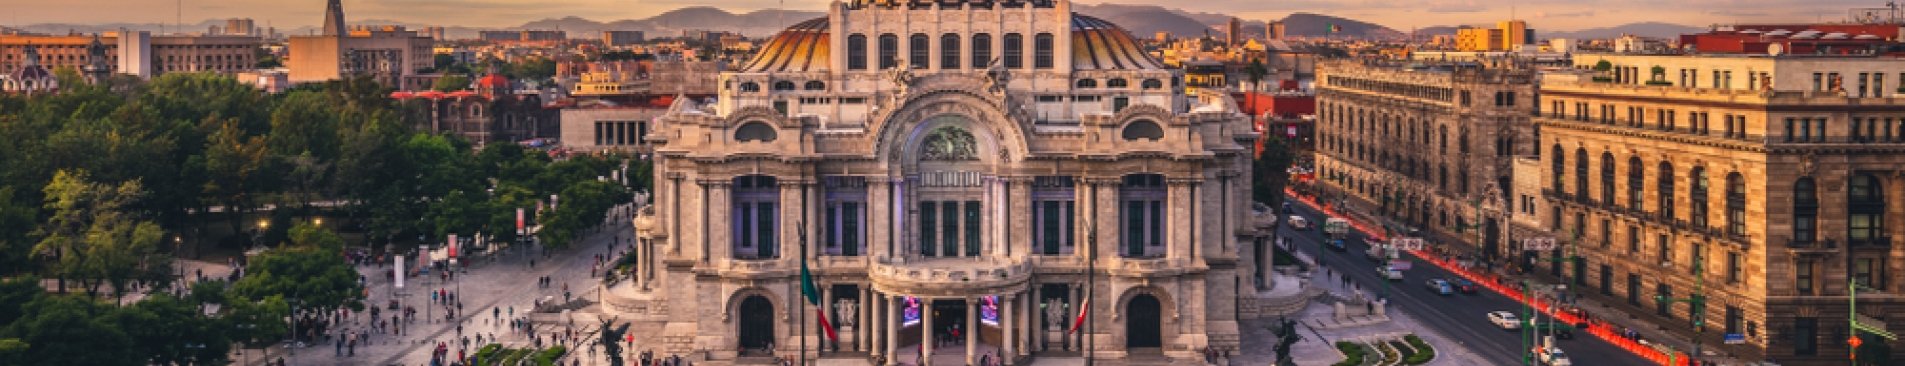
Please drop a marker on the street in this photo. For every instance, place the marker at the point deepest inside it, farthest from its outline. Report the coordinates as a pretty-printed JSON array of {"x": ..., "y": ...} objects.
[{"x": 1457, "y": 316}]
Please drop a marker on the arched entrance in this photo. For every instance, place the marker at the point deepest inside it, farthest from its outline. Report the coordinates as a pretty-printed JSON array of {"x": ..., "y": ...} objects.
[
  {"x": 1144, "y": 322},
  {"x": 757, "y": 323}
]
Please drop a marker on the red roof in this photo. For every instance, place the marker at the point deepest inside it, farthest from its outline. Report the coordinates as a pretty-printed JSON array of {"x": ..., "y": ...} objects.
[{"x": 493, "y": 81}]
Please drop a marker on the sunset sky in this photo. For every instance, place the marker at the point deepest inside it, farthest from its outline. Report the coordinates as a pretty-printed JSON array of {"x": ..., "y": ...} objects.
[{"x": 1401, "y": 15}]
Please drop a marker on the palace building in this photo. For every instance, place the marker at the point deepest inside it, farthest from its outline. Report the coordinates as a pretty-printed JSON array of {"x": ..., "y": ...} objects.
[
  {"x": 979, "y": 168},
  {"x": 1768, "y": 218},
  {"x": 1426, "y": 149}
]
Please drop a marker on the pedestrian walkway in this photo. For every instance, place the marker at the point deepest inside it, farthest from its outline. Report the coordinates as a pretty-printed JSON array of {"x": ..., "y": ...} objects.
[{"x": 1318, "y": 346}]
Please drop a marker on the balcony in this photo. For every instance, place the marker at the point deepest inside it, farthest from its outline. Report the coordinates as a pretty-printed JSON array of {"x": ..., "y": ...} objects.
[
  {"x": 1883, "y": 241},
  {"x": 950, "y": 276},
  {"x": 1812, "y": 246}
]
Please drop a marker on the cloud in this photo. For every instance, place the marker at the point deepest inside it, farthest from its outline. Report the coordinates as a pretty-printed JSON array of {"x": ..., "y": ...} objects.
[
  {"x": 1468, "y": 6},
  {"x": 1573, "y": 14}
]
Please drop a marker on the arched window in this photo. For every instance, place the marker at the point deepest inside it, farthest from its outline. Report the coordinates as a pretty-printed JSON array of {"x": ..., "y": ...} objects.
[
  {"x": 1665, "y": 190},
  {"x": 1141, "y": 198},
  {"x": 754, "y": 218},
  {"x": 1580, "y": 173},
  {"x": 754, "y": 131},
  {"x": 1143, "y": 129},
  {"x": 920, "y": 52},
  {"x": 816, "y": 85},
  {"x": 889, "y": 51},
  {"x": 981, "y": 50},
  {"x": 1151, "y": 84},
  {"x": 949, "y": 51},
  {"x": 1087, "y": 83},
  {"x": 1697, "y": 196},
  {"x": 1805, "y": 210},
  {"x": 1444, "y": 130},
  {"x": 1735, "y": 204},
  {"x": 1042, "y": 51},
  {"x": 1636, "y": 177},
  {"x": 1117, "y": 83},
  {"x": 1014, "y": 51},
  {"x": 1607, "y": 178},
  {"x": 750, "y": 87},
  {"x": 857, "y": 52},
  {"x": 783, "y": 85},
  {"x": 1865, "y": 204}
]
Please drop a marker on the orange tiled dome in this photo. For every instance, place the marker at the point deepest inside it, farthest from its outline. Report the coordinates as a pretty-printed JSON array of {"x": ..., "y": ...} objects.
[{"x": 1096, "y": 45}]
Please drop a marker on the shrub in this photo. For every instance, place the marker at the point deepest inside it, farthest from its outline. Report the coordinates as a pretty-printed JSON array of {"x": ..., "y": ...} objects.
[
  {"x": 1424, "y": 353},
  {"x": 483, "y": 354},
  {"x": 548, "y": 356},
  {"x": 1352, "y": 352}
]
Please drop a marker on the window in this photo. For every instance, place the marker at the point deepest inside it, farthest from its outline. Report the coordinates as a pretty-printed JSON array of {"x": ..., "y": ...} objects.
[
  {"x": 1805, "y": 211},
  {"x": 1636, "y": 177},
  {"x": 783, "y": 85},
  {"x": 1697, "y": 197},
  {"x": 1806, "y": 329},
  {"x": 846, "y": 219},
  {"x": 1663, "y": 300},
  {"x": 1580, "y": 173},
  {"x": 1052, "y": 211},
  {"x": 1633, "y": 289},
  {"x": 1014, "y": 51},
  {"x": 1117, "y": 83},
  {"x": 919, "y": 55},
  {"x": 1042, "y": 45},
  {"x": 1733, "y": 319},
  {"x": 1633, "y": 239},
  {"x": 1152, "y": 84},
  {"x": 1087, "y": 83},
  {"x": 1607, "y": 233},
  {"x": 754, "y": 131},
  {"x": 981, "y": 50},
  {"x": 1733, "y": 267},
  {"x": 1865, "y": 201},
  {"x": 754, "y": 217},
  {"x": 1607, "y": 178},
  {"x": 1735, "y": 204},
  {"x": 1143, "y": 129},
  {"x": 750, "y": 87},
  {"x": 857, "y": 52},
  {"x": 1665, "y": 191},
  {"x": 928, "y": 215},
  {"x": 1865, "y": 272},
  {"x": 889, "y": 51},
  {"x": 1803, "y": 276},
  {"x": 949, "y": 51},
  {"x": 1143, "y": 198},
  {"x": 1560, "y": 170},
  {"x": 1663, "y": 248},
  {"x": 815, "y": 85}
]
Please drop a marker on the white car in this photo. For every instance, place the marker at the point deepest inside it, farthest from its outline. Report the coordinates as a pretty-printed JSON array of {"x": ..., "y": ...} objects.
[
  {"x": 1299, "y": 223},
  {"x": 1504, "y": 319},
  {"x": 1553, "y": 356},
  {"x": 1389, "y": 273}
]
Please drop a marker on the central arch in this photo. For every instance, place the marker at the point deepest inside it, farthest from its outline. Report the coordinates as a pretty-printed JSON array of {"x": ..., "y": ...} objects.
[
  {"x": 1145, "y": 322},
  {"x": 999, "y": 136},
  {"x": 757, "y": 323}
]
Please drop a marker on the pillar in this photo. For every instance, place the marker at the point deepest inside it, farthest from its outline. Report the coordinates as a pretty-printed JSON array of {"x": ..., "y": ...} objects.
[
  {"x": 876, "y": 328},
  {"x": 1028, "y": 340},
  {"x": 926, "y": 332},
  {"x": 1264, "y": 264},
  {"x": 1078, "y": 339},
  {"x": 1008, "y": 330},
  {"x": 826, "y": 307},
  {"x": 863, "y": 341},
  {"x": 972, "y": 331},
  {"x": 878, "y": 208},
  {"x": 892, "y": 324}
]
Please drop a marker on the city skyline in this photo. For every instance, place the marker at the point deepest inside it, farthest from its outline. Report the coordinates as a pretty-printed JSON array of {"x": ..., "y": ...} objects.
[{"x": 1544, "y": 15}]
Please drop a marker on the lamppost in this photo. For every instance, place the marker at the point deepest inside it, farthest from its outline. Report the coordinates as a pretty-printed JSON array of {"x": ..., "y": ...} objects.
[
  {"x": 258, "y": 237},
  {"x": 1867, "y": 325},
  {"x": 1696, "y": 304}
]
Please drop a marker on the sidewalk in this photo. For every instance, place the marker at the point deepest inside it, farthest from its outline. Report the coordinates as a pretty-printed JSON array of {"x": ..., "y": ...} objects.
[
  {"x": 1510, "y": 288},
  {"x": 1318, "y": 346}
]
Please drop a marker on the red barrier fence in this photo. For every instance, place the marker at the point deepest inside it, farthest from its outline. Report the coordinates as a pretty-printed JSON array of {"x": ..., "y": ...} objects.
[{"x": 1507, "y": 288}]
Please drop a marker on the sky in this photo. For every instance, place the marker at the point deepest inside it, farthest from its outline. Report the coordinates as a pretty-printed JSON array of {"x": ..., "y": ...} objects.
[{"x": 1400, "y": 15}]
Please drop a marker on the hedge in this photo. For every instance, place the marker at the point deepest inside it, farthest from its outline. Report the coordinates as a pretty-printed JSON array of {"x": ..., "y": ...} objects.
[
  {"x": 1353, "y": 352},
  {"x": 1424, "y": 353},
  {"x": 548, "y": 356}
]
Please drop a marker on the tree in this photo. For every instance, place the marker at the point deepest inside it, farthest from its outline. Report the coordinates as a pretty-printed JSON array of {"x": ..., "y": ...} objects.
[
  {"x": 1269, "y": 173},
  {"x": 16, "y": 221},
  {"x": 238, "y": 170},
  {"x": 69, "y": 329},
  {"x": 311, "y": 271},
  {"x": 581, "y": 206},
  {"x": 451, "y": 82},
  {"x": 1256, "y": 71},
  {"x": 80, "y": 208},
  {"x": 167, "y": 330}
]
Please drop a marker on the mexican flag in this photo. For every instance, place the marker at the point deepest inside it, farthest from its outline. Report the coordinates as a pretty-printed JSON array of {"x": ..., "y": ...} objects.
[
  {"x": 1080, "y": 322},
  {"x": 1334, "y": 28},
  {"x": 812, "y": 293}
]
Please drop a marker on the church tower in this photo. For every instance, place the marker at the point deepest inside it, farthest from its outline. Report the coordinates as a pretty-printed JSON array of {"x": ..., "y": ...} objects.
[{"x": 97, "y": 69}]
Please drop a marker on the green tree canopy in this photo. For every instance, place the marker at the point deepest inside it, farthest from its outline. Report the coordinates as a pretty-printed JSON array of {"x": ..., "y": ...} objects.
[{"x": 311, "y": 271}]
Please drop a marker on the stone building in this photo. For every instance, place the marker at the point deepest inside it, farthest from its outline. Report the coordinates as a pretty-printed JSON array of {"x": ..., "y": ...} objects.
[
  {"x": 1432, "y": 143},
  {"x": 1768, "y": 216},
  {"x": 980, "y": 167}
]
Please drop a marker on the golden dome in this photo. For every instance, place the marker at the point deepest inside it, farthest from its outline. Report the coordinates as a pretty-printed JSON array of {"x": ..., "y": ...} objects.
[
  {"x": 800, "y": 48},
  {"x": 1096, "y": 45}
]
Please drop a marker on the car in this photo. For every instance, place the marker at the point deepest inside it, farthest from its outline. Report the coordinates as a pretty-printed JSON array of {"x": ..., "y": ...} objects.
[
  {"x": 1299, "y": 223},
  {"x": 1337, "y": 245},
  {"x": 1389, "y": 273},
  {"x": 1287, "y": 209},
  {"x": 1553, "y": 356},
  {"x": 1464, "y": 286},
  {"x": 1505, "y": 320},
  {"x": 1441, "y": 287}
]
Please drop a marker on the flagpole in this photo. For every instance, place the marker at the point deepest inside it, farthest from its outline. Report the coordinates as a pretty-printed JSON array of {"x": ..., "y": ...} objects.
[
  {"x": 1091, "y": 278},
  {"x": 801, "y": 226}
]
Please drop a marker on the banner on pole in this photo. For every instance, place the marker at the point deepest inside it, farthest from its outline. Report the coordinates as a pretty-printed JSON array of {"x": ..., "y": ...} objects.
[
  {"x": 519, "y": 220},
  {"x": 452, "y": 245},
  {"x": 399, "y": 273}
]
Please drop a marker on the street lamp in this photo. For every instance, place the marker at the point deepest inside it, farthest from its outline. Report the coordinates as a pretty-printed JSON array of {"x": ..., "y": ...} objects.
[{"x": 1696, "y": 304}]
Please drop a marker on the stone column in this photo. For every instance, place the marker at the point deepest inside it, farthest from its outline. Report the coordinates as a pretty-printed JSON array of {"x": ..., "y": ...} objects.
[
  {"x": 863, "y": 340},
  {"x": 875, "y": 306},
  {"x": 1029, "y": 329},
  {"x": 892, "y": 322},
  {"x": 878, "y": 215},
  {"x": 972, "y": 331},
  {"x": 826, "y": 307},
  {"x": 926, "y": 332},
  {"x": 898, "y": 220},
  {"x": 1034, "y": 326},
  {"x": 1075, "y": 341},
  {"x": 715, "y": 242},
  {"x": 1008, "y": 334}
]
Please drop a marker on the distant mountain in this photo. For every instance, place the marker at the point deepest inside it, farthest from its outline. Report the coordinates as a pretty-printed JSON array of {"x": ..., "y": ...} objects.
[
  {"x": 1440, "y": 30},
  {"x": 1145, "y": 20},
  {"x": 756, "y": 24},
  {"x": 1644, "y": 29},
  {"x": 1318, "y": 25}
]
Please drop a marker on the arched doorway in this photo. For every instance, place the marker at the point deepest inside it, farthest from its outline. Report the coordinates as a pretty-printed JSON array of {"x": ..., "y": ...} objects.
[
  {"x": 1143, "y": 322},
  {"x": 757, "y": 323}
]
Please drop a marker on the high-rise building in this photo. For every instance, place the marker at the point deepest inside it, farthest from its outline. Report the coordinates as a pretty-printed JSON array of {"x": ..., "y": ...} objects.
[
  {"x": 389, "y": 54},
  {"x": 136, "y": 53},
  {"x": 1769, "y": 217},
  {"x": 1508, "y": 35},
  {"x": 1233, "y": 33},
  {"x": 241, "y": 27},
  {"x": 614, "y": 38},
  {"x": 1274, "y": 30}
]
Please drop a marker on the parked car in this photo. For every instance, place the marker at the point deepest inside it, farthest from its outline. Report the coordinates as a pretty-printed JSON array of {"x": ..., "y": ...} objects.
[
  {"x": 1464, "y": 286},
  {"x": 1441, "y": 287},
  {"x": 1504, "y": 320}
]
